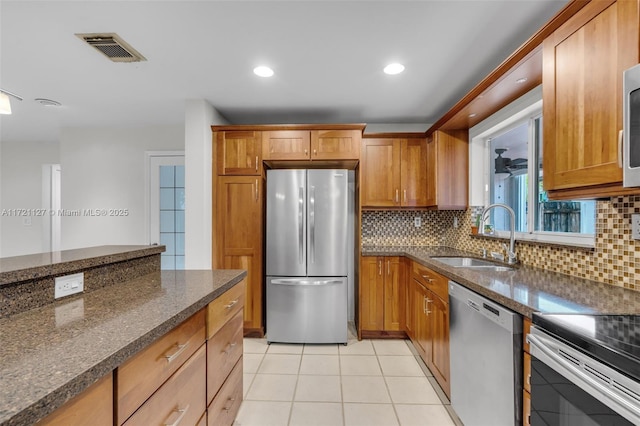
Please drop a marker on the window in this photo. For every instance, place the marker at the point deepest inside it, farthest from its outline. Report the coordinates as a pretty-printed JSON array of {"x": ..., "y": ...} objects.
[{"x": 515, "y": 179}]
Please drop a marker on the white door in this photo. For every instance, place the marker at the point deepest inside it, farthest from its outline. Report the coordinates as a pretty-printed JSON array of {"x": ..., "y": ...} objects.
[{"x": 167, "y": 206}]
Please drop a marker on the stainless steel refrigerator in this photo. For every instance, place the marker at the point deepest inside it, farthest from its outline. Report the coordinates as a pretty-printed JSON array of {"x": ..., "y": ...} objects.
[{"x": 307, "y": 253}]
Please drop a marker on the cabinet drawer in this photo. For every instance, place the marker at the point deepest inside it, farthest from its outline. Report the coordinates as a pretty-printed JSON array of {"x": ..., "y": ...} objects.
[
  {"x": 93, "y": 406},
  {"x": 139, "y": 377},
  {"x": 223, "y": 351},
  {"x": 225, "y": 406},
  {"x": 224, "y": 308},
  {"x": 432, "y": 280},
  {"x": 181, "y": 400}
]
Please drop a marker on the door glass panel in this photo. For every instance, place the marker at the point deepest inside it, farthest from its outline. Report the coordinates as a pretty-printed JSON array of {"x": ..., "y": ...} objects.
[{"x": 172, "y": 205}]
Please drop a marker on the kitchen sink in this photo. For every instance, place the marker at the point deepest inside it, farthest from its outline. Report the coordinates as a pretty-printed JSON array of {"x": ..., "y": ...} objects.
[{"x": 472, "y": 263}]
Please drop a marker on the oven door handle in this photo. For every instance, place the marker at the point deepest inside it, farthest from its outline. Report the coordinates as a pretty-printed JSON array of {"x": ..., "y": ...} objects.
[{"x": 606, "y": 385}]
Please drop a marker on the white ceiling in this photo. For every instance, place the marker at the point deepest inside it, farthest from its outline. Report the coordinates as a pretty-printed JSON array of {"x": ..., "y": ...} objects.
[{"x": 327, "y": 55}]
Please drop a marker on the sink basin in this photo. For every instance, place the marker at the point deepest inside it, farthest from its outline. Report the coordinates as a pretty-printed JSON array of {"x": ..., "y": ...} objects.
[{"x": 472, "y": 263}]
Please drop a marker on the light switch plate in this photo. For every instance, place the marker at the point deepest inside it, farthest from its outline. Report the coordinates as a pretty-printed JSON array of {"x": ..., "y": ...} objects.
[
  {"x": 635, "y": 226},
  {"x": 69, "y": 284}
]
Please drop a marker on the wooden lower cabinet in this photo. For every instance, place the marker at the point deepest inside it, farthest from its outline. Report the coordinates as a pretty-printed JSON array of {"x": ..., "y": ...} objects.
[
  {"x": 382, "y": 296},
  {"x": 430, "y": 312},
  {"x": 94, "y": 406},
  {"x": 224, "y": 408}
]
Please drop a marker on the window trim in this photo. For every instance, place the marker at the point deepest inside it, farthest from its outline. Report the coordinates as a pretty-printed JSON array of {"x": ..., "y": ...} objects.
[{"x": 524, "y": 109}]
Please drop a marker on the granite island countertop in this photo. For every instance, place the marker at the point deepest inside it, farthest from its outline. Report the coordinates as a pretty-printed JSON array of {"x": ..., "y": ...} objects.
[
  {"x": 52, "y": 353},
  {"x": 525, "y": 289}
]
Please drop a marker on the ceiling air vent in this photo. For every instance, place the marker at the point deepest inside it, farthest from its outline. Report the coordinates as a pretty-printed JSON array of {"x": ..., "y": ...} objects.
[{"x": 113, "y": 47}]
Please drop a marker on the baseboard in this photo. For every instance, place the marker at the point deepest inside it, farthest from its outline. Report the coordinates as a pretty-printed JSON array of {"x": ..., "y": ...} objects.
[{"x": 381, "y": 334}]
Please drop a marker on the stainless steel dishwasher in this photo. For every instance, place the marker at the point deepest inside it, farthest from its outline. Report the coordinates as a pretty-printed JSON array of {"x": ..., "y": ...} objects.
[{"x": 486, "y": 360}]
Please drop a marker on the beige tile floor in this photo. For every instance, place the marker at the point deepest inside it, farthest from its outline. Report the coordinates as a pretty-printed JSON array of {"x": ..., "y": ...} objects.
[{"x": 368, "y": 382}]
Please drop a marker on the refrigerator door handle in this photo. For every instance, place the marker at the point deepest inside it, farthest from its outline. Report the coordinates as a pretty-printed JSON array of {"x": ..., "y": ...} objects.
[
  {"x": 312, "y": 223},
  {"x": 300, "y": 225},
  {"x": 296, "y": 281}
]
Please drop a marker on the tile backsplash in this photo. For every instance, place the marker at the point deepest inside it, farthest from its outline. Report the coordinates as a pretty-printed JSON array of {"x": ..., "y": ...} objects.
[{"x": 615, "y": 260}]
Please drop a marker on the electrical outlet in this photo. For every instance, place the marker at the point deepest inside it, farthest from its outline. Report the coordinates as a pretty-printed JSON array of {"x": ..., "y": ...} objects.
[
  {"x": 635, "y": 226},
  {"x": 455, "y": 222},
  {"x": 69, "y": 284},
  {"x": 417, "y": 221}
]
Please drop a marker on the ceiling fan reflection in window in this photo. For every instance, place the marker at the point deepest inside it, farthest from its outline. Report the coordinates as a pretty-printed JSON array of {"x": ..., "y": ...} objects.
[{"x": 507, "y": 165}]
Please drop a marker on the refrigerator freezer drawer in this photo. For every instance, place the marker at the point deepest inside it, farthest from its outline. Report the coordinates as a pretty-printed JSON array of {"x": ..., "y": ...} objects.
[{"x": 307, "y": 310}]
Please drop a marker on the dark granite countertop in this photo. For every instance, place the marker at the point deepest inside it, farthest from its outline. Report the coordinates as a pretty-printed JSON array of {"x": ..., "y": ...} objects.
[
  {"x": 526, "y": 289},
  {"x": 32, "y": 266},
  {"x": 52, "y": 353}
]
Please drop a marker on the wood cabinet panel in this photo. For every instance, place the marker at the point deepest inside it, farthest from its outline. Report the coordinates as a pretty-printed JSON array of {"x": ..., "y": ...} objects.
[
  {"x": 140, "y": 376},
  {"x": 239, "y": 235},
  {"x": 526, "y": 329},
  {"x": 224, "y": 350},
  {"x": 439, "y": 317},
  {"x": 447, "y": 169},
  {"x": 438, "y": 284},
  {"x": 413, "y": 172},
  {"x": 286, "y": 145},
  {"x": 583, "y": 63},
  {"x": 380, "y": 173},
  {"x": 394, "y": 293},
  {"x": 225, "y": 406},
  {"x": 239, "y": 152},
  {"x": 409, "y": 316},
  {"x": 181, "y": 399},
  {"x": 93, "y": 406},
  {"x": 526, "y": 366},
  {"x": 225, "y": 307},
  {"x": 335, "y": 144},
  {"x": 526, "y": 408},
  {"x": 371, "y": 294}
]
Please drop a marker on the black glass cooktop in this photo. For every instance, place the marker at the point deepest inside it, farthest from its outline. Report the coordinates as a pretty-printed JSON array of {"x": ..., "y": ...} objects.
[{"x": 613, "y": 339}]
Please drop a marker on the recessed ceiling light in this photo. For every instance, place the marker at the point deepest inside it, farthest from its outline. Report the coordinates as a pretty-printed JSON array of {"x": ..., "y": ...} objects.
[
  {"x": 521, "y": 80},
  {"x": 263, "y": 71},
  {"x": 473, "y": 114},
  {"x": 393, "y": 69}
]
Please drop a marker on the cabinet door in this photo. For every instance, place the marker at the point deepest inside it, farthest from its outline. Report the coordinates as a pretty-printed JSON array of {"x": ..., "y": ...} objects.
[
  {"x": 409, "y": 309},
  {"x": 371, "y": 293},
  {"x": 239, "y": 153},
  {"x": 94, "y": 406},
  {"x": 380, "y": 173},
  {"x": 447, "y": 169},
  {"x": 439, "y": 318},
  {"x": 421, "y": 322},
  {"x": 239, "y": 224},
  {"x": 335, "y": 144},
  {"x": 582, "y": 92},
  {"x": 413, "y": 173},
  {"x": 286, "y": 145},
  {"x": 394, "y": 293}
]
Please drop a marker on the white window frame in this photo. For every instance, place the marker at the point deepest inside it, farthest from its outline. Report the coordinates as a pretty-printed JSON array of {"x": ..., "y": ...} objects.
[{"x": 522, "y": 110}]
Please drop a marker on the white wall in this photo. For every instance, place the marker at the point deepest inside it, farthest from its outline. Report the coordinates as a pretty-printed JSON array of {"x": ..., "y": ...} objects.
[
  {"x": 105, "y": 169},
  {"x": 396, "y": 127},
  {"x": 21, "y": 188},
  {"x": 199, "y": 116}
]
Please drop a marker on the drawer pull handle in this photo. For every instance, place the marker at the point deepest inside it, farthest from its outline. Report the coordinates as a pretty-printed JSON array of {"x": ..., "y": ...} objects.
[
  {"x": 426, "y": 277},
  {"x": 231, "y": 304},
  {"x": 171, "y": 357},
  {"x": 229, "y": 347},
  {"x": 178, "y": 413},
  {"x": 228, "y": 407}
]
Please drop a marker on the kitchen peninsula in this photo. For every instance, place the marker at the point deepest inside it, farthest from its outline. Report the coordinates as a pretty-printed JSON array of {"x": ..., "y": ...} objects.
[{"x": 53, "y": 353}]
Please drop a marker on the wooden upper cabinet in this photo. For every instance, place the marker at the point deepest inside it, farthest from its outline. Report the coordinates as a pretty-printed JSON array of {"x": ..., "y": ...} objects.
[
  {"x": 335, "y": 144},
  {"x": 583, "y": 62},
  {"x": 447, "y": 181},
  {"x": 340, "y": 144},
  {"x": 393, "y": 172},
  {"x": 286, "y": 145},
  {"x": 413, "y": 173},
  {"x": 380, "y": 173},
  {"x": 239, "y": 152}
]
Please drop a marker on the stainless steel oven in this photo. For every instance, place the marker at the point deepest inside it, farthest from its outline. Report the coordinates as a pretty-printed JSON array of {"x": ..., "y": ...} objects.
[{"x": 584, "y": 370}]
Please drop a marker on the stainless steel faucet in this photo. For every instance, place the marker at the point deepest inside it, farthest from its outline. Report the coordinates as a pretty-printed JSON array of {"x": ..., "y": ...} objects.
[{"x": 511, "y": 252}]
